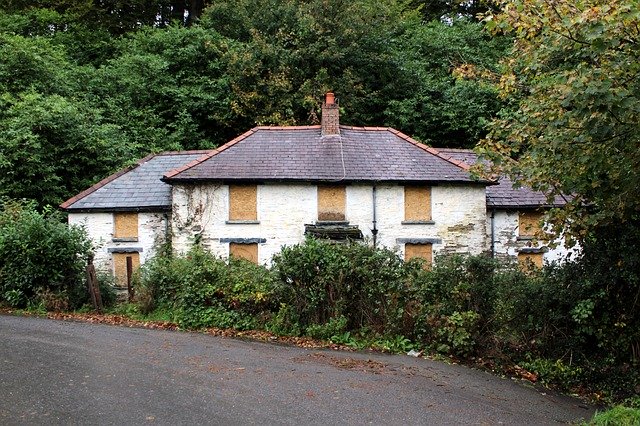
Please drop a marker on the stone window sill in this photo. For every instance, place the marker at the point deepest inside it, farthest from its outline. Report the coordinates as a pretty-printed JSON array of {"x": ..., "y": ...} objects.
[
  {"x": 332, "y": 222},
  {"x": 242, "y": 222},
  {"x": 244, "y": 240},
  {"x": 417, "y": 222},
  {"x": 524, "y": 238},
  {"x": 124, "y": 239}
]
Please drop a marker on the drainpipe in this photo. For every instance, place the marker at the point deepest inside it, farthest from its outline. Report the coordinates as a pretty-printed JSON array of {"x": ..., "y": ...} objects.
[
  {"x": 374, "y": 231},
  {"x": 493, "y": 232}
]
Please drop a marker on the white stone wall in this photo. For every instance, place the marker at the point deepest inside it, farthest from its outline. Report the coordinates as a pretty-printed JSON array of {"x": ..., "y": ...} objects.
[
  {"x": 100, "y": 227},
  {"x": 458, "y": 211},
  {"x": 507, "y": 244}
]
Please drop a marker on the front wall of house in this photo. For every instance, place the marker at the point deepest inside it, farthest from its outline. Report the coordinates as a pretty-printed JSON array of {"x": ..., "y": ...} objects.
[
  {"x": 508, "y": 242},
  {"x": 100, "y": 228},
  {"x": 201, "y": 212}
]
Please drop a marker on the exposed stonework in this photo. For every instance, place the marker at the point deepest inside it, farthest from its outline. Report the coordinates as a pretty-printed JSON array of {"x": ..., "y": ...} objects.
[
  {"x": 508, "y": 243},
  {"x": 100, "y": 229},
  {"x": 201, "y": 212}
]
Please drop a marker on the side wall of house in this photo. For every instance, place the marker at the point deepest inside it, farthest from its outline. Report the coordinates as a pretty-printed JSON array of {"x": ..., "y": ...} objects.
[
  {"x": 100, "y": 228},
  {"x": 201, "y": 212},
  {"x": 508, "y": 243}
]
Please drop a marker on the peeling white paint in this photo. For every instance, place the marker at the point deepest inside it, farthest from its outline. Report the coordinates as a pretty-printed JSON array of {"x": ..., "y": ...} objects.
[
  {"x": 100, "y": 227},
  {"x": 507, "y": 244},
  {"x": 201, "y": 211}
]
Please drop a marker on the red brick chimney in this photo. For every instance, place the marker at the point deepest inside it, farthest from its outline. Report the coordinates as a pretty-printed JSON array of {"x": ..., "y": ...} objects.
[{"x": 330, "y": 116}]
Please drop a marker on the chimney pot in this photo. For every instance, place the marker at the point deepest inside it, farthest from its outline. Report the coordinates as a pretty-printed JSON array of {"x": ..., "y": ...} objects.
[
  {"x": 330, "y": 98},
  {"x": 330, "y": 116}
]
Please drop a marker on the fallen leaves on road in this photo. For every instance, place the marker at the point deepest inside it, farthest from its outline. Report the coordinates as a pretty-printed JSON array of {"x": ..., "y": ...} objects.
[
  {"x": 517, "y": 371},
  {"x": 124, "y": 321},
  {"x": 366, "y": 365}
]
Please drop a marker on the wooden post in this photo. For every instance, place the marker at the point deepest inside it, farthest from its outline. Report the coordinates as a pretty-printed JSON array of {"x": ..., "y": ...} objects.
[
  {"x": 93, "y": 286},
  {"x": 129, "y": 275}
]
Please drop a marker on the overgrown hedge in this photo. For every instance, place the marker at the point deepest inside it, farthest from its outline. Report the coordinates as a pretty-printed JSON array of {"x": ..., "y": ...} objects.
[{"x": 42, "y": 260}]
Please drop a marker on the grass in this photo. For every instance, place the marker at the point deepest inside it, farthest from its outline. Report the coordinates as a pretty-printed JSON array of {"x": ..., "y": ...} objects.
[{"x": 618, "y": 416}]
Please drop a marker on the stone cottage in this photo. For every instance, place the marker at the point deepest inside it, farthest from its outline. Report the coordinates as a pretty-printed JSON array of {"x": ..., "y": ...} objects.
[{"x": 272, "y": 186}]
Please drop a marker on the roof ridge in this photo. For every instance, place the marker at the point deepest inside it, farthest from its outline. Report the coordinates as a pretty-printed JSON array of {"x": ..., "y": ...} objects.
[
  {"x": 186, "y": 152},
  {"x": 469, "y": 150},
  {"x": 105, "y": 181},
  {"x": 365, "y": 128},
  {"x": 429, "y": 149},
  {"x": 309, "y": 127},
  {"x": 210, "y": 154}
]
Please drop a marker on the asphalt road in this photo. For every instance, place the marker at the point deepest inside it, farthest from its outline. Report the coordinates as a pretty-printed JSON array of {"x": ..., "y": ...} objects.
[{"x": 56, "y": 372}]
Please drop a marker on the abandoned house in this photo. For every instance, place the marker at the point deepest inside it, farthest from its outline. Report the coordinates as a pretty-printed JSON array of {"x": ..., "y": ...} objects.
[{"x": 271, "y": 186}]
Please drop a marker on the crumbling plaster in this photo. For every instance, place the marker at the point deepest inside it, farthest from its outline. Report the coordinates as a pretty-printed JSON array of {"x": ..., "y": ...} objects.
[
  {"x": 100, "y": 227},
  {"x": 200, "y": 212}
]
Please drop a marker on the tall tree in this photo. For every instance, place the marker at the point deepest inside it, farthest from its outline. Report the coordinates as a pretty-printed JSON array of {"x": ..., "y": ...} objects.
[
  {"x": 449, "y": 10},
  {"x": 572, "y": 77}
]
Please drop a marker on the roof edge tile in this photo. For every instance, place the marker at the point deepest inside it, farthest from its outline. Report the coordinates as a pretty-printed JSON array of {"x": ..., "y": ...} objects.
[
  {"x": 67, "y": 204},
  {"x": 174, "y": 172},
  {"x": 430, "y": 150},
  {"x": 104, "y": 181}
]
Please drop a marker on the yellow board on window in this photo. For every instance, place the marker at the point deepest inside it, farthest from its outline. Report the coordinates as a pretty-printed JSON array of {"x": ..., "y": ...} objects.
[
  {"x": 120, "y": 266},
  {"x": 331, "y": 202},
  {"x": 244, "y": 251},
  {"x": 243, "y": 202},
  {"x": 529, "y": 223},
  {"x": 421, "y": 251},
  {"x": 125, "y": 225},
  {"x": 527, "y": 260},
  {"x": 417, "y": 203}
]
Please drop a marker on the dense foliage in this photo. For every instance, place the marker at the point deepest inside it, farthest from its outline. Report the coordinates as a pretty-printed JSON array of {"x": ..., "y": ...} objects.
[
  {"x": 87, "y": 87},
  {"x": 42, "y": 260},
  {"x": 575, "y": 125}
]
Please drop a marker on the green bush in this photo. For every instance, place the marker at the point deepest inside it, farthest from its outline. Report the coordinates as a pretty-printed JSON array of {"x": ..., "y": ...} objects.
[
  {"x": 206, "y": 291},
  {"x": 456, "y": 301},
  {"x": 321, "y": 281},
  {"x": 41, "y": 258}
]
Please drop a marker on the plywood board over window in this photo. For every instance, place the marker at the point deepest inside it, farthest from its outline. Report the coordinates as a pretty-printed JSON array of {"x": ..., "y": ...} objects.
[
  {"x": 417, "y": 203},
  {"x": 125, "y": 226},
  {"x": 120, "y": 266},
  {"x": 332, "y": 202},
  {"x": 243, "y": 202},
  {"x": 244, "y": 251},
  {"x": 421, "y": 251},
  {"x": 526, "y": 260},
  {"x": 529, "y": 223}
]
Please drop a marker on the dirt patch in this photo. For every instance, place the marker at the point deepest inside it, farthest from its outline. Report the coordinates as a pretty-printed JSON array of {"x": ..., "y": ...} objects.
[{"x": 365, "y": 365}]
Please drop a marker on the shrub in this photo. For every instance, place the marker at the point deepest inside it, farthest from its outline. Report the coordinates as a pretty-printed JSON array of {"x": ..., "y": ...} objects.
[
  {"x": 207, "y": 291},
  {"x": 40, "y": 254},
  {"x": 321, "y": 281},
  {"x": 456, "y": 302}
]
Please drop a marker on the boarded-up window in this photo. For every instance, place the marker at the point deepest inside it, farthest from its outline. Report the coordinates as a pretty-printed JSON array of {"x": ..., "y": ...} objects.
[
  {"x": 417, "y": 203},
  {"x": 243, "y": 202},
  {"x": 331, "y": 202},
  {"x": 244, "y": 251},
  {"x": 120, "y": 266},
  {"x": 527, "y": 260},
  {"x": 421, "y": 251},
  {"x": 529, "y": 223},
  {"x": 125, "y": 226}
]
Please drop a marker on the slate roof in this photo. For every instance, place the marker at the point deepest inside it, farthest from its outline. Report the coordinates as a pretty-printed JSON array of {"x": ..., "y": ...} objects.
[
  {"x": 504, "y": 194},
  {"x": 136, "y": 188},
  {"x": 303, "y": 154}
]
